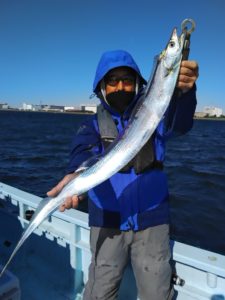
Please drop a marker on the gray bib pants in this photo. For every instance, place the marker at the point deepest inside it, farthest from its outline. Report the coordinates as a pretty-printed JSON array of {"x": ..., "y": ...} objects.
[{"x": 149, "y": 253}]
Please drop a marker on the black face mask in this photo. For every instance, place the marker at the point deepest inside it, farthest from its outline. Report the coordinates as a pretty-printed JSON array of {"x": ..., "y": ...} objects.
[{"x": 120, "y": 100}]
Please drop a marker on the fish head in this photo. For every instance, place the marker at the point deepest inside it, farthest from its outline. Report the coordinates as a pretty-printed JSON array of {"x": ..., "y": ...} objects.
[{"x": 172, "y": 54}]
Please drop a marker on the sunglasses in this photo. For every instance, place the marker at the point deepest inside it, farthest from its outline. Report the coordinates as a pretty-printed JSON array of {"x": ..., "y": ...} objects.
[{"x": 113, "y": 80}]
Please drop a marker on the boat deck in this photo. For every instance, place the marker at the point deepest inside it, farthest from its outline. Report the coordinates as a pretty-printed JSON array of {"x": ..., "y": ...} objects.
[{"x": 53, "y": 263}]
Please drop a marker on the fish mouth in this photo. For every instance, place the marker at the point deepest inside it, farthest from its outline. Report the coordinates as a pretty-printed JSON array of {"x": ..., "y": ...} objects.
[
  {"x": 174, "y": 33},
  {"x": 181, "y": 38}
]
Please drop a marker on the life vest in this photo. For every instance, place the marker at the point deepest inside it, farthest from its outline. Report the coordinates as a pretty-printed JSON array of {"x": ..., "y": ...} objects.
[{"x": 144, "y": 159}]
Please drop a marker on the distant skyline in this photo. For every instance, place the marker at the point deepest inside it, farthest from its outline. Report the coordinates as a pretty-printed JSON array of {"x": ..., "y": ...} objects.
[
  {"x": 87, "y": 103},
  {"x": 50, "y": 48}
]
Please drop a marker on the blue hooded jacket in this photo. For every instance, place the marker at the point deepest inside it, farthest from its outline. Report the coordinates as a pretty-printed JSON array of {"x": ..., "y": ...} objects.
[
  {"x": 127, "y": 200},
  {"x": 111, "y": 60}
]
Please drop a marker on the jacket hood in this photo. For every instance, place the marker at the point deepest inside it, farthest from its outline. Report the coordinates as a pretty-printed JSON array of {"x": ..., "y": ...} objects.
[{"x": 111, "y": 60}]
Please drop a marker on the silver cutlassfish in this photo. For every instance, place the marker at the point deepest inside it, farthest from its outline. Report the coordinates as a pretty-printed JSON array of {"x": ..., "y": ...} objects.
[{"x": 143, "y": 122}]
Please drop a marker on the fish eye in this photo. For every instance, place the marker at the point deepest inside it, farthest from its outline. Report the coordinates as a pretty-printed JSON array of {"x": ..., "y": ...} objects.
[{"x": 171, "y": 44}]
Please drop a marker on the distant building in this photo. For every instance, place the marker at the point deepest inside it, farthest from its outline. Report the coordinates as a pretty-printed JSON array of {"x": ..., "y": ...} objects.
[
  {"x": 36, "y": 107},
  {"x": 4, "y": 106},
  {"x": 200, "y": 114},
  {"x": 72, "y": 108},
  {"x": 52, "y": 108},
  {"x": 26, "y": 106},
  {"x": 44, "y": 107},
  {"x": 213, "y": 111},
  {"x": 90, "y": 108},
  {"x": 59, "y": 108}
]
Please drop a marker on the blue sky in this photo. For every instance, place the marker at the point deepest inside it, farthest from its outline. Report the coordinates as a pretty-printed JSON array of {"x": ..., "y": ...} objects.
[{"x": 49, "y": 49}]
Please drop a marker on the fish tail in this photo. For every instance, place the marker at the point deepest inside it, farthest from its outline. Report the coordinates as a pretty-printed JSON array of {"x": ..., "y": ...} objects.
[{"x": 19, "y": 244}]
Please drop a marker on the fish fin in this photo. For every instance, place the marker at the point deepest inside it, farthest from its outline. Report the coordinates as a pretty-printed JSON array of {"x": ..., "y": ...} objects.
[
  {"x": 154, "y": 67},
  {"x": 146, "y": 89}
]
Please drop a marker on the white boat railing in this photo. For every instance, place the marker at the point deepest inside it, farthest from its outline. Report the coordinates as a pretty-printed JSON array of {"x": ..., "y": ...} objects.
[{"x": 202, "y": 271}]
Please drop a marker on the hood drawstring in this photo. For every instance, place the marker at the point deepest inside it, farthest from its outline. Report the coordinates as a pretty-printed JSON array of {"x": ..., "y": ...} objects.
[{"x": 102, "y": 88}]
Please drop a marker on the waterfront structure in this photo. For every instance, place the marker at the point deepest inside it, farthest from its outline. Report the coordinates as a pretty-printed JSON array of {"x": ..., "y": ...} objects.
[
  {"x": 4, "y": 106},
  {"x": 59, "y": 108},
  {"x": 212, "y": 111},
  {"x": 55, "y": 108},
  {"x": 43, "y": 107},
  {"x": 200, "y": 114},
  {"x": 72, "y": 108},
  {"x": 26, "y": 106},
  {"x": 89, "y": 108}
]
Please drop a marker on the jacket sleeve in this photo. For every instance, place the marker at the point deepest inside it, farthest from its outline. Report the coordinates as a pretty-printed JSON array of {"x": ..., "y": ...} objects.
[
  {"x": 179, "y": 116},
  {"x": 85, "y": 144}
]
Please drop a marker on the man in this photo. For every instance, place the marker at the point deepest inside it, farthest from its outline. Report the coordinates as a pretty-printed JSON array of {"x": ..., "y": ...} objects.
[{"x": 128, "y": 213}]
